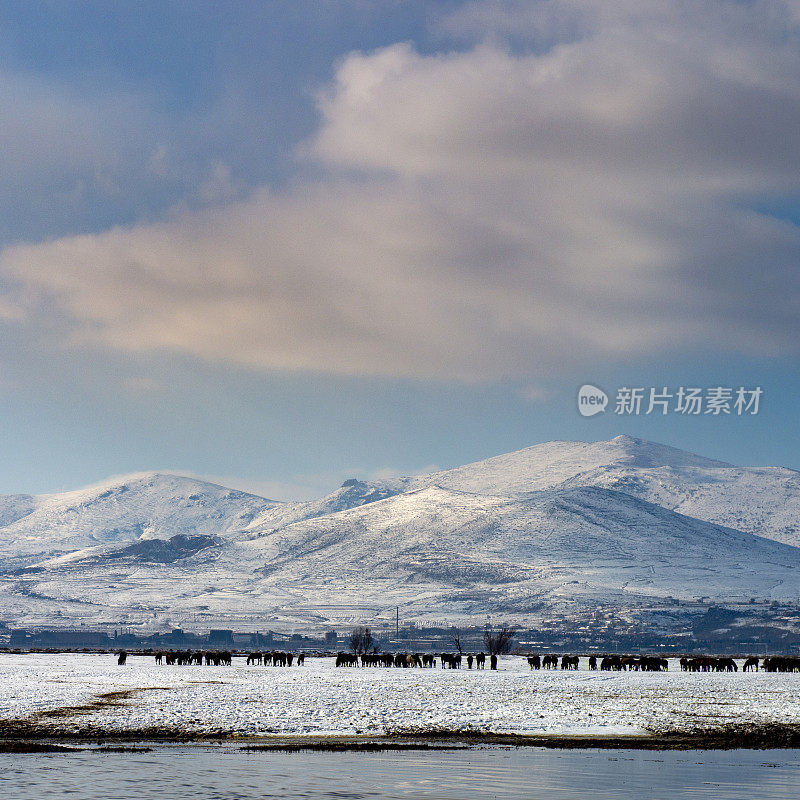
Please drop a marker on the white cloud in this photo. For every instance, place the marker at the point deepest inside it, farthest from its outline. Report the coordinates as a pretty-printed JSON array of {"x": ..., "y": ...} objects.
[{"x": 486, "y": 213}]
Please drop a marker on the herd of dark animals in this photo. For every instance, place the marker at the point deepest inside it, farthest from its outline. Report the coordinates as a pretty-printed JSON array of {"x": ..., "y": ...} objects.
[
  {"x": 219, "y": 658},
  {"x": 616, "y": 663},
  {"x": 447, "y": 660},
  {"x": 456, "y": 660}
]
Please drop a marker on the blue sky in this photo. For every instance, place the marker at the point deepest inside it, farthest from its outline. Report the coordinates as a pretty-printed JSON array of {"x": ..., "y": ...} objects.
[{"x": 281, "y": 244}]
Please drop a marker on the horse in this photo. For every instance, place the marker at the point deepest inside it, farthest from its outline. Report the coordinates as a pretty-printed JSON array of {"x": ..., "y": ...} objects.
[
  {"x": 346, "y": 660},
  {"x": 451, "y": 661},
  {"x": 122, "y": 657},
  {"x": 534, "y": 662}
]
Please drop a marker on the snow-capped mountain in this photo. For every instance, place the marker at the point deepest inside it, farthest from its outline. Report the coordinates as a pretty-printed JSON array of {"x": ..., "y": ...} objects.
[
  {"x": 118, "y": 511},
  {"x": 623, "y": 523},
  {"x": 760, "y": 500}
]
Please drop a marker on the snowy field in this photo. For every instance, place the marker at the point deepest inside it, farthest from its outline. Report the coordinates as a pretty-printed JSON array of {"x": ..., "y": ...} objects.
[{"x": 65, "y": 691}]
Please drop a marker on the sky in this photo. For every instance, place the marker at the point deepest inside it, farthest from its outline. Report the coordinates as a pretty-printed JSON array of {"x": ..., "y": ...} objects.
[{"x": 281, "y": 244}]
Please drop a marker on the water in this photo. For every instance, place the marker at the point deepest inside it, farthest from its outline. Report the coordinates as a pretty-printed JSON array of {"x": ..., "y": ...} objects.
[{"x": 228, "y": 773}]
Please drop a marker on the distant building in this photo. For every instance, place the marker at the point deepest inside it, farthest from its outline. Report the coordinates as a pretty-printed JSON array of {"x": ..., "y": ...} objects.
[
  {"x": 220, "y": 638},
  {"x": 71, "y": 638}
]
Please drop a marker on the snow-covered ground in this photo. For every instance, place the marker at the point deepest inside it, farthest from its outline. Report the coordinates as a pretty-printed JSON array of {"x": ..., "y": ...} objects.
[{"x": 319, "y": 699}]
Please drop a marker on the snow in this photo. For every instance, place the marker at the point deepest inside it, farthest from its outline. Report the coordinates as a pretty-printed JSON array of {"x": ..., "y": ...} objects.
[
  {"x": 554, "y": 464},
  {"x": 320, "y": 699},
  {"x": 122, "y": 510},
  {"x": 761, "y": 500},
  {"x": 626, "y": 523}
]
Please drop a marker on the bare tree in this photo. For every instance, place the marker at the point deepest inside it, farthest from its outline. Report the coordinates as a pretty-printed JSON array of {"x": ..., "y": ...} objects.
[
  {"x": 457, "y": 640},
  {"x": 361, "y": 640},
  {"x": 499, "y": 642},
  {"x": 367, "y": 640}
]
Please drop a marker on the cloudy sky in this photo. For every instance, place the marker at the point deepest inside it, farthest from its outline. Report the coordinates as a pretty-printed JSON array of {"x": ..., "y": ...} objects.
[{"x": 283, "y": 243}]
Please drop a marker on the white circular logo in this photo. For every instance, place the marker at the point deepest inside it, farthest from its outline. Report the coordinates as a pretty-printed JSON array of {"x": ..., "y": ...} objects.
[{"x": 591, "y": 400}]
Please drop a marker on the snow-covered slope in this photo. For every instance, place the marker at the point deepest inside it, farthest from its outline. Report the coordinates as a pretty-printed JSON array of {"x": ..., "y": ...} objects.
[
  {"x": 760, "y": 500},
  {"x": 121, "y": 510},
  {"x": 464, "y": 540},
  {"x": 622, "y": 523},
  {"x": 553, "y": 464},
  {"x": 351, "y": 494}
]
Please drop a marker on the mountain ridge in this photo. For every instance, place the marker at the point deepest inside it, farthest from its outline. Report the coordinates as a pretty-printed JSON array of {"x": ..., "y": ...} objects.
[{"x": 562, "y": 524}]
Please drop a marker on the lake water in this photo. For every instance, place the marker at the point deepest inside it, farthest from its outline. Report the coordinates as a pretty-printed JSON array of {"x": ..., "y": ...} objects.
[{"x": 227, "y": 772}]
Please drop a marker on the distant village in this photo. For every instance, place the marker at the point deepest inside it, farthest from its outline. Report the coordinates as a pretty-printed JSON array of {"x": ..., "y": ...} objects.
[{"x": 735, "y": 629}]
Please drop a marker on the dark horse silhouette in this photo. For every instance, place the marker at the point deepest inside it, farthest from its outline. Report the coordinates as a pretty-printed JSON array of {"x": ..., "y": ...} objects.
[{"x": 122, "y": 657}]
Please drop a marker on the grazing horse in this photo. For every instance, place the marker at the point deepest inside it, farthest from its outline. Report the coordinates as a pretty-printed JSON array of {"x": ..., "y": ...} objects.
[
  {"x": 451, "y": 661},
  {"x": 254, "y": 658},
  {"x": 122, "y": 657},
  {"x": 346, "y": 660},
  {"x": 159, "y": 657},
  {"x": 470, "y": 659},
  {"x": 534, "y": 662},
  {"x": 708, "y": 664},
  {"x": 592, "y": 662},
  {"x": 492, "y": 661},
  {"x": 751, "y": 663},
  {"x": 480, "y": 661},
  {"x": 781, "y": 664},
  {"x": 301, "y": 659}
]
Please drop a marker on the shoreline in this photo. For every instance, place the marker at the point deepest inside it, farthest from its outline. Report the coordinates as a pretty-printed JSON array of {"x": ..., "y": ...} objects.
[{"x": 17, "y": 736}]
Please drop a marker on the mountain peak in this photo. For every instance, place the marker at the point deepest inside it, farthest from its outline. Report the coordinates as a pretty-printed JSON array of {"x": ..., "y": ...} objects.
[
  {"x": 166, "y": 483},
  {"x": 552, "y": 464},
  {"x": 649, "y": 455}
]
